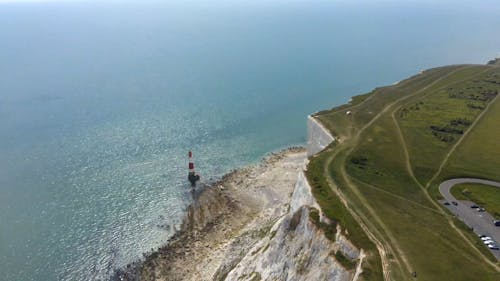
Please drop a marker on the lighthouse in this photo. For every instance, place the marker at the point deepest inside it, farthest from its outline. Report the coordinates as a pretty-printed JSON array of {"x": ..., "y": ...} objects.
[{"x": 192, "y": 176}]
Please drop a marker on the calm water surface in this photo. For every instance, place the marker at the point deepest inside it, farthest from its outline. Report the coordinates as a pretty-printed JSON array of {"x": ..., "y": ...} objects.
[{"x": 99, "y": 103}]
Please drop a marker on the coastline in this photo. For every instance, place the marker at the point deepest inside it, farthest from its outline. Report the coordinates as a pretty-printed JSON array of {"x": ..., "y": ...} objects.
[{"x": 225, "y": 219}]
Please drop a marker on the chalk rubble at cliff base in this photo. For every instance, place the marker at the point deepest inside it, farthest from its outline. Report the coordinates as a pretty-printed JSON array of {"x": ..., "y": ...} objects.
[{"x": 254, "y": 224}]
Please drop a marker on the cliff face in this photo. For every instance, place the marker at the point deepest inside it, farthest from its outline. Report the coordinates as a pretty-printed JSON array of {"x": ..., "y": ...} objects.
[
  {"x": 258, "y": 223},
  {"x": 318, "y": 137},
  {"x": 296, "y": 248}
]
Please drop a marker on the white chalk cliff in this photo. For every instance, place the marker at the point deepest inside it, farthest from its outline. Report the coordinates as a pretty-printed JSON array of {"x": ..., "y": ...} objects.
[{"x": 295, "y": 248}]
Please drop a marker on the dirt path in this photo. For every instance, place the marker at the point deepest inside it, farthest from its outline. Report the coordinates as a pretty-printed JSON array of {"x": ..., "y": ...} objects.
[
  {"x": 381, "y": 247},
  {"x": 405, "y": 145},
  {"x": 425, "y": 189},
  {"x": 390, "y": 243},
  {"x": 399, "y": 197},
  {"x": 349, "y": 145},
  {"x": 445, "y": 160},
  {"x": 403, "y": 141}
]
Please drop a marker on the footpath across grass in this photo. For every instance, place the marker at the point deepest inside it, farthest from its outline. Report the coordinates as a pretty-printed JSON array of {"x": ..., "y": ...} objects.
[
  {"x": 479, "y": 153},
  {"x": 392, "y": 143},
  {"x": 333, "y": 209},
  {"x": 436, "y": 120}
]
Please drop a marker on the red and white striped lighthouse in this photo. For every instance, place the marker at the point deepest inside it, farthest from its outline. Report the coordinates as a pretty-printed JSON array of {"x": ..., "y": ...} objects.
[
  {"x": 191, "y": 163},
  {"x": 192, "y": 176}
]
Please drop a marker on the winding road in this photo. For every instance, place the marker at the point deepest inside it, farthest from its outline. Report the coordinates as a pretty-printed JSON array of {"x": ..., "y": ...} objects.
[{"x": 480, "y": 222}]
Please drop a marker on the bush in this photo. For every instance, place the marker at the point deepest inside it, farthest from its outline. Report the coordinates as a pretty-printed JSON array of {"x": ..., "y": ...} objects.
[
  {"x": 359, "y": 160},
  {"x": 344, "y": 261}
]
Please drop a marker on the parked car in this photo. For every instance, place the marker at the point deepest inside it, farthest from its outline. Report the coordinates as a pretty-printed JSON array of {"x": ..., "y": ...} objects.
[
  {"x": 481, "y": 209},
  {"x": 474, "y": 206},
  {"x": 489, "y": 242},
  {"x": 496, "y": 223},
  {"x": 454, "y": 203},
  {"x": 447, "y": 203},
  {"x": 484, "y": 238},
  {"x": 493, "y": 247}
]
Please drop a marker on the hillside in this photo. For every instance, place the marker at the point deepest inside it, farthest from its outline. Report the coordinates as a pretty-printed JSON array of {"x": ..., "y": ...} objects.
[{"x": 393, "y": 147}]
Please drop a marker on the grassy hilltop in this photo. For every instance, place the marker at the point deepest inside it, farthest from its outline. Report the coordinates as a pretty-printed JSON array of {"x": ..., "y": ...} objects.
[{"x": 379, "y": 179}]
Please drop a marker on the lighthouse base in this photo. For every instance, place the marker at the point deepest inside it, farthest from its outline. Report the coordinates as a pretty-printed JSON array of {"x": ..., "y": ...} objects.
[{"x": 193, "y": 178}]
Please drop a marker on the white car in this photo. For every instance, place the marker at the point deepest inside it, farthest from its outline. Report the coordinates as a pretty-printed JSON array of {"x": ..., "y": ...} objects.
[
  {"x": 489, "y": 242},
  {"x": 486, "y": 238},
  {"x": 493, "y": 247}
]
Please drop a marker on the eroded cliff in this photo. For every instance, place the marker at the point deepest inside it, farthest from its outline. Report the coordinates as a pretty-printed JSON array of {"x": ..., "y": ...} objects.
[{"x": 257, "y": 223}]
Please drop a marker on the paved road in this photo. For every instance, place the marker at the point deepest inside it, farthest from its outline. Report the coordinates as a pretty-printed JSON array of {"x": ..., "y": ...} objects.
[{"x": 482, "y": 223}]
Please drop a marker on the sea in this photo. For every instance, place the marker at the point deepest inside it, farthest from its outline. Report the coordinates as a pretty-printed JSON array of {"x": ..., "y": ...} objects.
[{"x": 100, "y": 102}]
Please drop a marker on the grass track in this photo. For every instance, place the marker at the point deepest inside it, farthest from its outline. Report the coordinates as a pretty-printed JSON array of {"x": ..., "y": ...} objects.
[{"x": 371, "y": 173}]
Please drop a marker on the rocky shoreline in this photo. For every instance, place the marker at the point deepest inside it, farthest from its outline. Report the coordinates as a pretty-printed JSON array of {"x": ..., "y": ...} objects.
[{"x": 225, "y": 220}]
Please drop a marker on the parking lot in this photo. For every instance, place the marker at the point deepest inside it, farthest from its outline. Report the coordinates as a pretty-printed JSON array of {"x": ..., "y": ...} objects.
[{"x": 480, "y": 222}]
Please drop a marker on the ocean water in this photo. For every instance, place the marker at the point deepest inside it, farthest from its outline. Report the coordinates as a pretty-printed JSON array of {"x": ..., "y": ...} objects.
[{"x": 100, "y": 102}]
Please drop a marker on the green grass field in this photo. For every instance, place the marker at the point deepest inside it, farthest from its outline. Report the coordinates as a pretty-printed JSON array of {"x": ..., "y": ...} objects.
[
  {"x": 333, "y": 208},
  {"x": 485, "y": 196},
  {"x": 479, "y": 154},
  {"x": 397, "y": 144},
  {"x": 436, "y": 120}
]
